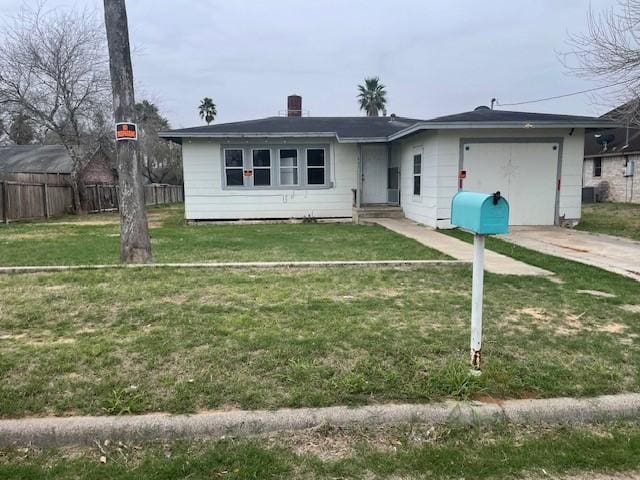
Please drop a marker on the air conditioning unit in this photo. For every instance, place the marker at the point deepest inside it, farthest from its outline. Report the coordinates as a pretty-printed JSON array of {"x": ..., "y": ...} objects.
[{"x": 630, "y": 168}]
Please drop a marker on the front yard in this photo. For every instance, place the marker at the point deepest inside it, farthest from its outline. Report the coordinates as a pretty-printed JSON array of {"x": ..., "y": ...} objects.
[
  {"x": 121, "y": 341},
  {"x": 621, "y": 219},
  {"x": 94, "y": 240}
]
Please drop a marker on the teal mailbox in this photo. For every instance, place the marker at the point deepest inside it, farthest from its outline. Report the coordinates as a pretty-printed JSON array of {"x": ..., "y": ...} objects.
[{"x": 480, "y": 213}]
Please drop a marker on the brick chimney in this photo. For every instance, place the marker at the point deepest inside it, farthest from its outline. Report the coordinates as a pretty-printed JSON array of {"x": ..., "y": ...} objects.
[{"x": 294, "y": 106}]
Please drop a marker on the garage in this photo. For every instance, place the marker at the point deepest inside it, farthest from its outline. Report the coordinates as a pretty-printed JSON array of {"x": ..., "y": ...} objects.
[{"x": 525, "y": 172}]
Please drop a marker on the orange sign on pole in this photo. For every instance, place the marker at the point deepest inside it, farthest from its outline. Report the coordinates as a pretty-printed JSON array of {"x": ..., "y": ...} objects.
[{"x": 126, "y": 131}]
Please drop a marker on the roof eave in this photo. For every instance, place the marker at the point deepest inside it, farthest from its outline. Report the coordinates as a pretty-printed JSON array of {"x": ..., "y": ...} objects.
[
  {"x": 177, "y": 137},
  {"x": 497, "y": 125},
  {"x": 172, "y": 135},
  {"x": 619, "y": 153}
]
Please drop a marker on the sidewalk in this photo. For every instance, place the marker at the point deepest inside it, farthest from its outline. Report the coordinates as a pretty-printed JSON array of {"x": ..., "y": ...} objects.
[{"x": 494, "y": 262}]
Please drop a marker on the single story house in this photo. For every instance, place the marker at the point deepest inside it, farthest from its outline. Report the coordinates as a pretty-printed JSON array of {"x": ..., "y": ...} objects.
[
  {"x": 50, "y": 164},
  {"x": 332, "y": 167},
  {"x": 611, "y": 158}
]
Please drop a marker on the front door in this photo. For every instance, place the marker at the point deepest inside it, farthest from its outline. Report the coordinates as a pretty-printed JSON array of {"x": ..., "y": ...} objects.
[{"x": 375, "y": 163}]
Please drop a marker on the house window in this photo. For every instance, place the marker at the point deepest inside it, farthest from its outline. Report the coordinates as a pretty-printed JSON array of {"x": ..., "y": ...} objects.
[
  {"x": 417, "y": 173},
  {"x": 315, "y": 166},
  {"x": 289, "y": 166},
  {"x": 233, "y": 167},
  {"x": 261, "y": 167},
  {"x": 597, "y": 167}
]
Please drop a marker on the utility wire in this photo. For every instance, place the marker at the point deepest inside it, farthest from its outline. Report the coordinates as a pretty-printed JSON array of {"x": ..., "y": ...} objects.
[{"x": 498, "y": 104}]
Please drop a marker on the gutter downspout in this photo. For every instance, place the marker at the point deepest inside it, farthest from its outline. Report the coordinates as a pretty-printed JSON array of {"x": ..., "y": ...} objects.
[{"x": 360, "y": 173}]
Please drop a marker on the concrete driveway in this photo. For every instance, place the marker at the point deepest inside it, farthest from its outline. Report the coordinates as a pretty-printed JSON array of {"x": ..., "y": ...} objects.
[{"x": 611, "y": 253}]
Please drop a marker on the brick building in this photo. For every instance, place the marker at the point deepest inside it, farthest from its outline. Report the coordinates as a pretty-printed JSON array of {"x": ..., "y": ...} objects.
[{"x": 612, "y": 164}]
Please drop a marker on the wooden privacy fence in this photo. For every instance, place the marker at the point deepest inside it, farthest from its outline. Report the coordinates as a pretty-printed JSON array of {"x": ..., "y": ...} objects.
[
  {"x": 26, "y": 201},
  {"x": 104, "y": 198}
]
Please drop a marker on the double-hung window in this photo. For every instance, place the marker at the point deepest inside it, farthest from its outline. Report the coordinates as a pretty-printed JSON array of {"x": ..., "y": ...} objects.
[
  {"x": 233, "y": 167},
  {"x": 597, "y": 167},
  {"x": 261, "y": 159},
  {"x": 316, "y": 168},
  {"x": 288, "y": 166},
  {"x": 417, "y": 173}
]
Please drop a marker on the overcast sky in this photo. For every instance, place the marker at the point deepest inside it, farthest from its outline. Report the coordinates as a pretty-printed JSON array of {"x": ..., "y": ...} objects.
[{"x": 435, "y": 58}]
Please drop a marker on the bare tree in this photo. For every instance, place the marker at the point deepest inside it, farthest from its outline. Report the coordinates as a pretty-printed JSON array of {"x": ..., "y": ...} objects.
[
  {"x": 135, "y": 245},
  {"x": 609, "y": 51},
  {"x": 161, "y": 160},
  {"x": 53, "y": 68}
]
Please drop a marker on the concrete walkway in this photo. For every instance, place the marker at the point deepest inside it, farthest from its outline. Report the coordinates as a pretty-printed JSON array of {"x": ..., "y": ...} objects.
[
  {"x": 494, "y": 262},
  {"x": 615, "y": 254},
  {"x": 61, "y": 431}
]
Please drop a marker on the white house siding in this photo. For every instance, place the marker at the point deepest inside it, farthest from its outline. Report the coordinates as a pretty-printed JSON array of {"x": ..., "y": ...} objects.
[
  {"x": 441, "y": 163},
  {"x": 571, "y": 173},
  {"x": 619, "y": 187},
  {"x": 420, "y": 208},
  {"x": 205, "y": 198}
]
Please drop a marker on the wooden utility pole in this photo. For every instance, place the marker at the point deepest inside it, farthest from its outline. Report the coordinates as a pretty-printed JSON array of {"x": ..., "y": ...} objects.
[{"x": 135, "y": 246}]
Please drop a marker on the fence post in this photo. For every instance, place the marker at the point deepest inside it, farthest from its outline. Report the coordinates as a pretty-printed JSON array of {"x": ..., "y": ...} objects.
[
  {"x": 5, "y": 202},
  {"x": 45, "y": 197},
  {"x": 155, "y": 195},
  {"x": 99, "y": 199}
]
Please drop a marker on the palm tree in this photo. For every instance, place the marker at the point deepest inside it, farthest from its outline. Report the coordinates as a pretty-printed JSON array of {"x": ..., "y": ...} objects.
[
  {"x": 372, "y": 96},
  {"x": 207, "y": 110}
]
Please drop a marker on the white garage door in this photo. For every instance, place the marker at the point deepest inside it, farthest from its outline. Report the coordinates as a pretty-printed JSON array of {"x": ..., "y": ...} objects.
[{"x": 525, "y": 174}]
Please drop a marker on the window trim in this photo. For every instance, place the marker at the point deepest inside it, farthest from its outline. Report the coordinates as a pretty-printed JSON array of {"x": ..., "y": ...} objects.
[
  {"x": 307, "y": 167},
  {"x": 275, "y": 166},
  {"x": 414, "y": 174},
  {"x": 225, "y": 168},
  {"x": 296, "y": 168},
  {"x": 599, "y": 159},
  {"x": 254, "y": 168}
]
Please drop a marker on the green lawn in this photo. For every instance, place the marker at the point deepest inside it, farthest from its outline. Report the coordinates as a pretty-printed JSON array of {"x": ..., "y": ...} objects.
[
  {"x": 621, "y": 219},
  {"x": 406, "y": 452},
  {"x": 94, "y": 239},
  {"x": 122, "y": 341}
]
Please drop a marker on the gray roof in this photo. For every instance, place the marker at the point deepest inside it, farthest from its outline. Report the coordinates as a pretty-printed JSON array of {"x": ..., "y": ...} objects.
[
  {"x": 612, "y": 142},
  {"x": 341, "y": 127},
  {"x": 381, "y": 129},
  {"x": 488, "y": 115},
  {"x": 35, "y": 159}
]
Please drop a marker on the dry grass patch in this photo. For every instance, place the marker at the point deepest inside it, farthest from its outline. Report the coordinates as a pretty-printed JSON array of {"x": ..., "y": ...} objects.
[{"x": 400, "y": 452}]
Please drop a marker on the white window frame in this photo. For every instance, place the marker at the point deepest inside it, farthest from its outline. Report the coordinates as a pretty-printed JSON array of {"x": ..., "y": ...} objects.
[
  {"x": 414, "y": 174},
  {"x": 275, "y": 147},
  {"x": 323, "y": 167},
  {"x": 269, "y": 168},
  {"x": 225, "y": 167},
  {"x": 295, "y": 168}
]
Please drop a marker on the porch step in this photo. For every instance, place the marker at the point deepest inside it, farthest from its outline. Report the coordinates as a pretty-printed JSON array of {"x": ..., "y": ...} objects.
[{"x": 377, "y": 211}]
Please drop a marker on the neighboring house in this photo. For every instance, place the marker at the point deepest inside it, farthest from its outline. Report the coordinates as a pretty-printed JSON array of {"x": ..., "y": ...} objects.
[
  {"x": 611, "y": 163},
  {"x": 51, "y": 164},
  {"x": 292, "y": 167}
]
